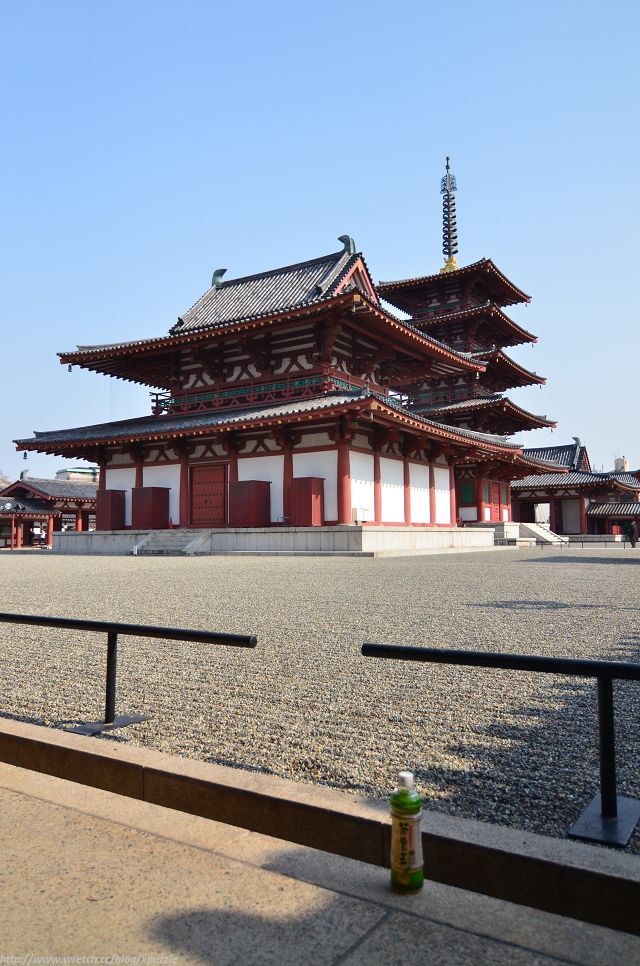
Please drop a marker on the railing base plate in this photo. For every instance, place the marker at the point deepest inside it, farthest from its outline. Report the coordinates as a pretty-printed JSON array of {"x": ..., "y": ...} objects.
[
  {"x": 593, "y": 827},
  {"x": 96, "y": 727}
]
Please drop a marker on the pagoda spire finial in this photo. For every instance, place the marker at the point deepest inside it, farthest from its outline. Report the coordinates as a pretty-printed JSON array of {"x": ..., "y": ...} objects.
[{"x": 449, "y": 230}]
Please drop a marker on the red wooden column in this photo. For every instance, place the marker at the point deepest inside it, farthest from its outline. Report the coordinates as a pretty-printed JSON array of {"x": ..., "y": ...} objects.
[
  {"x": 49, "y": 531},
  {"x": 480, "y": 497},
  {"x": 432, "y": 495},
  {"x": 552, "y": 513},
  {"x": 344, "y": 483},
  {"x": 13, "y": 533},
  {"x": 377, "y": 486},
  {"x": 139, "y": 473},
  {"x": 407, "y": 489},
  {"x": 102, "y": 475},
  {"x": 583, "y": 515},
  {"x": 19, "y": 535},
  {"x": 452, "y": 495},
  {"x": 78, "y": 518}
]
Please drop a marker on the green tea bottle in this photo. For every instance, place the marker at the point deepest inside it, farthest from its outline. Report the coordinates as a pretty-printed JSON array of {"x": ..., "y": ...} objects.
[{"x": 407, "y": 872}]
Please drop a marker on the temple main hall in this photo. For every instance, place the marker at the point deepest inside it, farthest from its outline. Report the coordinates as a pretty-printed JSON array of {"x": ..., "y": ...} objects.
[{"x": 301, "y": 397}]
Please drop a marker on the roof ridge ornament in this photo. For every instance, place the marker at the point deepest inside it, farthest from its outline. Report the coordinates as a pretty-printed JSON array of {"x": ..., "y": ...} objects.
[
  {"x": 216, "y": 278},
  {"x": 349, "y": 244},
  {"x": 449, "y": 230}
]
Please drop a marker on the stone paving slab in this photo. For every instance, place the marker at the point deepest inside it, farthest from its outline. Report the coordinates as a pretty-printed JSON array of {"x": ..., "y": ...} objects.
[{"x": 86, "y": 872}]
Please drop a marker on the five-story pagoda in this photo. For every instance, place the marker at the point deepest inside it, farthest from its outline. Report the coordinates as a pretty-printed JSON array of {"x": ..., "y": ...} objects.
[{"x": 463, "y": 308}]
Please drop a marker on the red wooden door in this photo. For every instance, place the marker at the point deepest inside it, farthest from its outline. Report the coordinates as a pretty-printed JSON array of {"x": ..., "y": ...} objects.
[
  {"x": 208, "y": 495},
  {"x": 495, "y": 502}
]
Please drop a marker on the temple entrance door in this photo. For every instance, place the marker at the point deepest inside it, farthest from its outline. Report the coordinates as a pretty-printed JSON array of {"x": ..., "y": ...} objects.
[
  {"x": 208, "y": 492},
  {"x": 495, "y": 502}
]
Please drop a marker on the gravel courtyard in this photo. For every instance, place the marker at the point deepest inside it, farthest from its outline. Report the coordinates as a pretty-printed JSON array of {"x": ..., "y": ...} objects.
[{"x": 515, "y": 749}]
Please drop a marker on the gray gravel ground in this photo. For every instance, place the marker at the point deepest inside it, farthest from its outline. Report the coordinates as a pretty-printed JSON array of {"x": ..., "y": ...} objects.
[{"x": 515, "y": 749}]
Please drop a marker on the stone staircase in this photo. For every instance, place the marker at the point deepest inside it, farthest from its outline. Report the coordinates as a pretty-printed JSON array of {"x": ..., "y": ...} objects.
[
  {"x": 171, "y": 543},
  {"x": 542, "y": 534}
]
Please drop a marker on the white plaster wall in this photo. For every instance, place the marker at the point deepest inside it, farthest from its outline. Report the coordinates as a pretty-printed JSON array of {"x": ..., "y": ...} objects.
[
  {"x": 468, "y": 513},
  {"x": 443, "y": 495},
  {"x": 420, "y": 509},
  {"x": 571, "y": 516},
  {"x": 116, "y": 459},
  {"x": 487, "y": 513},
  {"x": 324, "y": 465},
  {"x": 505, "y": 515},
  {"x": 362, "y": 483},
  {"x": 167, "y": 475},
  {"x": 268, "y": 468},
  {"x": 123, "y": 480},
  {"x": 361, "y": 440},
  {"x": 542, "y": 512},
  {"x": 315, "y": 439},
  {"x": 392, "y": 485}
]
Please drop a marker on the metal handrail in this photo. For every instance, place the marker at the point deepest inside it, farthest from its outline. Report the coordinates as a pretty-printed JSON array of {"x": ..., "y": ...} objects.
[
  {"x": 609, "y": 818},
  {"x": 112, "y": 629}
]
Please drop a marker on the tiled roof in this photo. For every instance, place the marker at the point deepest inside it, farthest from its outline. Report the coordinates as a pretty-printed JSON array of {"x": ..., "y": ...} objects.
[
  {"x": 629, "y": 478},
  {"x": 12, "y": 505},
  {"x": 575, "y": 478},
  {"x": 571, "y": 455},
  {"x": 502, "y": 361},
  {"x": 445, "y": 318},
  {"x": 501, "y": 405},
  {"x": 483, "y": 264},
  {"x": 288, "y": 287},
  {"x": 161, "y": 425},
  {"x": 613, "y": 510},
  {"x": 84, "y": 355},
  {"x": 60, "y": 489}
]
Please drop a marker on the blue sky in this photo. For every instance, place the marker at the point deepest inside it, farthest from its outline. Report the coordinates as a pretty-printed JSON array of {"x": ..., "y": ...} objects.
[{"x": 146, "y": 143}]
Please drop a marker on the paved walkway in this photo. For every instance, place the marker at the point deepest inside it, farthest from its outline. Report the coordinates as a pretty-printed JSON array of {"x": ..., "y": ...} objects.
[{"x": 86, "y": 873}]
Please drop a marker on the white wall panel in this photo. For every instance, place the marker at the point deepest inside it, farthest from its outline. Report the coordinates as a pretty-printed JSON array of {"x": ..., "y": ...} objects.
[
  {"x": 468, "y": 513},
  {"x": 315, "y": 439},
  {"x": 420, "y": 508},
  {"x": 443, "y": 495},
  {"x": 362, "y": 483},
  {"x": 166, "y": 476},
  {"x": 268, "y": 468},
  {"x": 325, "y": 466},
  {"x": 123, "y": 480},
  {"x": 392, "y": 480}
]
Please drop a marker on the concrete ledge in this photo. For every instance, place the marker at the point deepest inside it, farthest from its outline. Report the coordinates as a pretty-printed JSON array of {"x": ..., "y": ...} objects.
[
  {"x": 567, "y": 878},
  {"x": 326, "y": 541}
]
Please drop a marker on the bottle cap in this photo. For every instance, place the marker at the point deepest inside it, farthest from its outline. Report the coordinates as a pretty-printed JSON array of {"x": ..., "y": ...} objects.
[{"x": 405, "y": 779}]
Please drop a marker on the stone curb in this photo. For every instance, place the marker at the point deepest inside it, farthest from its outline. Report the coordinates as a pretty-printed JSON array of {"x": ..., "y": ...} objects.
[{"x": 583, "y": 882}]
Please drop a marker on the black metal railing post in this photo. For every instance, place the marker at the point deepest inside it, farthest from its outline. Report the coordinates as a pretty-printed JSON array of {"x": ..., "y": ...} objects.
[
  {"x": 112, "y": 629},
  {"x": 112, "y": 663},
  {"x": 606, "y": 731},
  {"x": 609, "y": 818}
]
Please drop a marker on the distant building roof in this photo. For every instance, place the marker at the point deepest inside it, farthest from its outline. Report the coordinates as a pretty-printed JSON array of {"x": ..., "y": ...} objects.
[
  {"x": 613, "y": 510},
  {"x": 57, "y": 489},
  {"x": 23, "y": 506},
  {"x": 572, "y": 455},
  {"x": 577, "y": 478}
]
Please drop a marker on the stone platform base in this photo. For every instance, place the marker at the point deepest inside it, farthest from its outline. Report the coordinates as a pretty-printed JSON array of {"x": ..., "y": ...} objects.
[{"x": 343, "y": 541}]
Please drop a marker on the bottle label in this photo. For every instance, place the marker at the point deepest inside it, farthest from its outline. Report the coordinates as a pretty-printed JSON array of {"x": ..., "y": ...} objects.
[{"x": 406, "y": 843}]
